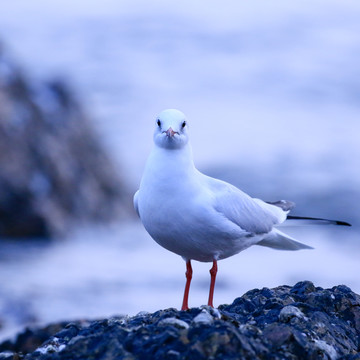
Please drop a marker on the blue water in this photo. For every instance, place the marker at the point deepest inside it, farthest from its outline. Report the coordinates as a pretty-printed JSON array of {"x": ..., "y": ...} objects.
[{"x": 271, "y": 92}]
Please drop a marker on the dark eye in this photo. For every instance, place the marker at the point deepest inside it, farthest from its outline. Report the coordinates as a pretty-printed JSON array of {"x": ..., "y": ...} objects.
[
  {"x": 158, "y": 122},
  {"x": 183, "y": 124}
]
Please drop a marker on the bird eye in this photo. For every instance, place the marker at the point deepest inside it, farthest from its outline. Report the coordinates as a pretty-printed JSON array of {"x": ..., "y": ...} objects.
[
  {"x": 158, "y": 122},
  {"x": 183, "y": 124}
]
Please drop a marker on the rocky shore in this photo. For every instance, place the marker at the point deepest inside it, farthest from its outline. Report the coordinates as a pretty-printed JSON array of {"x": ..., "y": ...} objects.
[{"x": 299, "y": 322}]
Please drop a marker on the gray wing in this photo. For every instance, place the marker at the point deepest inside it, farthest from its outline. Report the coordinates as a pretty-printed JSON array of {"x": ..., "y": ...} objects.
[
  {"x": 252, "y": 215},
  {"x": 135, "y": 200},
  {"x": 286, "y": 205}
]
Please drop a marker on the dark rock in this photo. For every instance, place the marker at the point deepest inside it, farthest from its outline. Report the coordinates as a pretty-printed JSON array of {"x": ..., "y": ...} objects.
[
  {"x": 300, "y": 322},
  {"x": 31, "y": 339},
  {"x": 53, "y": 169}
]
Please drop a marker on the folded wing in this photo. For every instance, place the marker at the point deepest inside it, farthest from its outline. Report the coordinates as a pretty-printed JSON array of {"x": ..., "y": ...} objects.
[{"x": 252, "y": 215}]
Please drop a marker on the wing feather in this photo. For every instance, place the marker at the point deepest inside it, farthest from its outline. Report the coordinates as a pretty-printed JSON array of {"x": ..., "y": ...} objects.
[{"x": 251, "y": 215}]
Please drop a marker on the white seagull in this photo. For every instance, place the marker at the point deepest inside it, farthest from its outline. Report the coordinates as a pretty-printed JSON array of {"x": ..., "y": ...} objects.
[{"x": 199, "y": 217}]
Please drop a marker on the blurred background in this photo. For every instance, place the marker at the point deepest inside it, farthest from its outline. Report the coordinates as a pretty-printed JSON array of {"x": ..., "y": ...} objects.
[{"x": 272, "y": 96}]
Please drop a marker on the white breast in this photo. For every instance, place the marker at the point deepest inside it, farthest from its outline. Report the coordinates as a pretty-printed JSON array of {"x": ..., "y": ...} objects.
[{"x": 177, "y": 211}]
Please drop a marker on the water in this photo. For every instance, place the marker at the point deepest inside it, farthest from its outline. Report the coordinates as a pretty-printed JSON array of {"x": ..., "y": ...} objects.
[{"x": 271, "y": 92}]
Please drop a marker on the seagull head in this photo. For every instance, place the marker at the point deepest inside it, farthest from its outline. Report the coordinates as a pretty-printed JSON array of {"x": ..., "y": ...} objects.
[{"x": 171, "y": 129}]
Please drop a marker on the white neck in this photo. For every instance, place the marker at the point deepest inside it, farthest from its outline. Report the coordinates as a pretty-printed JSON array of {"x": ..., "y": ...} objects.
[{"x": 164, "y": 164}]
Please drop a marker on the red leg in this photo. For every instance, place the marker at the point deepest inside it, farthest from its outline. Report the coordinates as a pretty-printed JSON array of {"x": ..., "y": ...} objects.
[
  {"x": 188, "y": 274},
  {"x": 213, "y": 272}
]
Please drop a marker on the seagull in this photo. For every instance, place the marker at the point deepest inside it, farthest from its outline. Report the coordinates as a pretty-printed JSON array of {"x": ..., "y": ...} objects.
[{"x": 199, "y": 217}]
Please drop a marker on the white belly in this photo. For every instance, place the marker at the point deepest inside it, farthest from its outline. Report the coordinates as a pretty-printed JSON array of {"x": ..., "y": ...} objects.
[{"x": 192, "y": 228}]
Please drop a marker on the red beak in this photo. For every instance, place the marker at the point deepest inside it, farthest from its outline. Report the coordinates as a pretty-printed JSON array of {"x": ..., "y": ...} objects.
[{"x": 170, "y": 132}]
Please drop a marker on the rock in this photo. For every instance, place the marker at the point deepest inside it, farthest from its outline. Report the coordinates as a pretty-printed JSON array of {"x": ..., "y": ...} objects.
[
  {"x": 31, "y": 339},
  {"x": 204, "y": 317},
  {"x": 289, "y": 312},
  {"x": 174, "y": 321},
  {"x": 53, "y": 168},
  {"x": 300, "y": 322}
]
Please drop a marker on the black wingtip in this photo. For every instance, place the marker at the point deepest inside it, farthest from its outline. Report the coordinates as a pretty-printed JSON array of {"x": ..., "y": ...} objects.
[
  {"x": 334, "y": 222},
  {"x": 342, "y": 223}
]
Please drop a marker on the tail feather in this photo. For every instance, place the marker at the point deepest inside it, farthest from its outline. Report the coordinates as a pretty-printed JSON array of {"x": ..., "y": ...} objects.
[
  {"x": 317, "y": 221},
  {"x": 280, "y": 241}
]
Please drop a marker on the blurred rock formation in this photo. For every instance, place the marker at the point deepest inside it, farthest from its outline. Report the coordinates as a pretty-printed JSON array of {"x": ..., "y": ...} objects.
[{"x": 53, "y": 169}]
